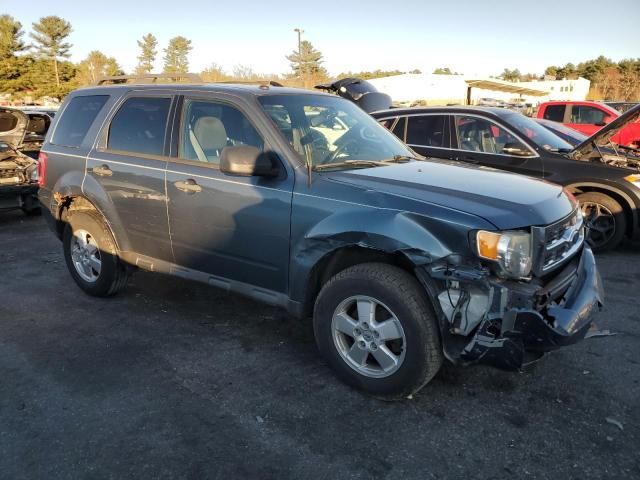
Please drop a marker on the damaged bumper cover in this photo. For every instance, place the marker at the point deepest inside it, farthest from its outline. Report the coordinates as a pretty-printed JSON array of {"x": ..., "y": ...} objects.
[{"x": 523, "y": 321}]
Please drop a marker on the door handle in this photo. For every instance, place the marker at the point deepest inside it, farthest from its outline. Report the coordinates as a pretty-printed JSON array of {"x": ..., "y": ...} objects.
[
  {"x": 103, "y": 171},
  {"x": 189, "y": 186}
]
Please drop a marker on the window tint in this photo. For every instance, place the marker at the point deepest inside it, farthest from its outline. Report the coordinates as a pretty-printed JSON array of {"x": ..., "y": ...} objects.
[
  {"x": 586, "y": 115},
  {"x": 140, "y": 126},
  {"x": 426, "y": 130},
  {"x": 480, "y": 135},
  {"x": 398, "y": 130},
  {"x": 554, "y": 113},
  {"x": 76, "y": 120},
  {"x": 209, "y": 127}
]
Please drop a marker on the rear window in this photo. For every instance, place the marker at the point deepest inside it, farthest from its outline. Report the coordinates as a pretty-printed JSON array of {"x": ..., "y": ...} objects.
[
  {"x": 555, "y": 113},
  {"x": 140, "y": 126},
  {"x": 76, "y": 120}
]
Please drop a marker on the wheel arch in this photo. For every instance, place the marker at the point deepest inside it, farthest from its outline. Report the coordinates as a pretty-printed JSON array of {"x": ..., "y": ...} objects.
[{"x": 620, "y": 196}]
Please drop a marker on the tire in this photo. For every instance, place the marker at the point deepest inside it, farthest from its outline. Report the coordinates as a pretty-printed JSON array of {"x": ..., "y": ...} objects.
[
  {"x": 32, "y": 212},
  {"x": 31, "y": 206},
  {"x": 603, "y": 213},
  {"x": 111, "y": 276},
  {"x": 418, "y": 354}
]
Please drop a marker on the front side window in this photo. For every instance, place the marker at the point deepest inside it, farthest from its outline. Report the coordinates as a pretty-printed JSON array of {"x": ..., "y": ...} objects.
[
  {"x": 555, "y": 113},
  {"x": 480, "y": 135},
  {"x": 587, "y": 115},
  {"x": 209, "y": 127},
  {"x": 427, "y": 130},
  {"x": 140, "y": 126},
  {"x": 399, "y": 129},
  {"x": 326, "y": 130},
  {"x": 77, "y": 118}
]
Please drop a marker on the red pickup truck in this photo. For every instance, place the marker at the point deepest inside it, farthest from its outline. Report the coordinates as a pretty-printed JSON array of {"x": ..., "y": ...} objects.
[{"x": 588, "y": 118}]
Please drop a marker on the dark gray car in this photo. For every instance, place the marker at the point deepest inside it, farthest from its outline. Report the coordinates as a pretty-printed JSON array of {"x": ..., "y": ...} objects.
[{"x": 302, "y": 200}]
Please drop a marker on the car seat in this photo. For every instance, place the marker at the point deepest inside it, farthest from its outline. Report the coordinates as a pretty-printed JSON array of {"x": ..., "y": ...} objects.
[{"x": 208, "y": 137}]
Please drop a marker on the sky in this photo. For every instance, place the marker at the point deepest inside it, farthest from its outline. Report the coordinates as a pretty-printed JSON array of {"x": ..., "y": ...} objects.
[{"x": 475, "y": 37}]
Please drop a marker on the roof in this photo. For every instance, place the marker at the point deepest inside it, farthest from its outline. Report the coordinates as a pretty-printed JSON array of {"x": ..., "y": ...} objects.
[
  {"x": 251, "y": 89},
  {"x": 496, "y": 111},
  {"x": 503, "y": 86}
]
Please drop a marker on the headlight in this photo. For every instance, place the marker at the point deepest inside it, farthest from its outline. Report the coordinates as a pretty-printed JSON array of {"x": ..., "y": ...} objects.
[
  {"x": 511, "y": 250},
  {"x": 635, "y": 179}
]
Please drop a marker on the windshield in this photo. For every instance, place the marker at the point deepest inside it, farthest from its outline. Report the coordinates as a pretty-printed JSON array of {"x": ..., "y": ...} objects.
[
  {"x": 326, "y": 130},
  {"x": 537, "y": 133}
]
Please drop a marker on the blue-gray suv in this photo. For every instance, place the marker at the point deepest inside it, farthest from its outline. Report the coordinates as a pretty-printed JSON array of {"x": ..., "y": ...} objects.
[{"x": 301, "y": 200}]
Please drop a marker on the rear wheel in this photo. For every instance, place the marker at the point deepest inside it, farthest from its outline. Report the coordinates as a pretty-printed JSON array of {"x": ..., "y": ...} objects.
[
  {"x": 375, "y": 327},
  {"x": 90, "y": 254},
  {"x": 605, "y": 220}
]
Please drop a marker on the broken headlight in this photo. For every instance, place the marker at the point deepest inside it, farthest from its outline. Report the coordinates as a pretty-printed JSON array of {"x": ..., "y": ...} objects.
[{"x": 510, "y": 250}]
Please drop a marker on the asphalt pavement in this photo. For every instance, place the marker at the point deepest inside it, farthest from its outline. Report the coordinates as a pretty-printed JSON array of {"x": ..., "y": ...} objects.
[{"x": 172, "y": 379}]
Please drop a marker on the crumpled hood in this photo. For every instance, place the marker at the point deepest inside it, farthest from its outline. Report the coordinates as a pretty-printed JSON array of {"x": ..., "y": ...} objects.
[
  {"x": 602, "y": 137},
  {"x": 507, "y": 200}
]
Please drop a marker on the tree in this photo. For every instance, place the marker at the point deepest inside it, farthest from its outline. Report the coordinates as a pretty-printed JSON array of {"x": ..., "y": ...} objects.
[
  {"x": 96, "y": 65},
  {"x": 148, "y": 53},
  {"x": 50, "y": 34},
  {"x": 10, "y": 37},
  {"x": 444, "y": 71},
  {"x": 176, "y": 55},
  {"x": 510, "y": 75},
  {"x": 551, "y": 71},
  {"x": 214, "y": 73},
  {"x": 307, "y": 64}
]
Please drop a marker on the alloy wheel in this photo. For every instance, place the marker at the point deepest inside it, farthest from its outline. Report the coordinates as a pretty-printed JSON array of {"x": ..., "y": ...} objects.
[
  {"x": 85, "y": 255},
  {"x": 600, "y": 222}
]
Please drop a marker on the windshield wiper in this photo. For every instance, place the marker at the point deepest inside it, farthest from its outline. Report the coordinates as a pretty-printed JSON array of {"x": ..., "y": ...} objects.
[
  {"x": 350, "y": 163},
  {"x": 400, "y": 159}
]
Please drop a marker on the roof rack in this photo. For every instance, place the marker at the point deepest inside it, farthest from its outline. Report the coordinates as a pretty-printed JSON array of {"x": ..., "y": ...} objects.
[
  {"x": 150, "y": 78},
  {"x": 265, "y": 83}
]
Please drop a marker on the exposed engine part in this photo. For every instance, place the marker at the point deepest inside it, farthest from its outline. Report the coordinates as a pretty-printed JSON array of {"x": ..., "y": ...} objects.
[
  {"x": 464, "y": 308},
  {"x": 17, "y": 169}
]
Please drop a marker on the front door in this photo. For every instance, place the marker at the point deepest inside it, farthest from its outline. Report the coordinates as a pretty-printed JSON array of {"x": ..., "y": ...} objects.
[
  {"x": 482, "y": 141},
  {"x": 587, "y": 119},
  {"x": 233, "y": 227}
]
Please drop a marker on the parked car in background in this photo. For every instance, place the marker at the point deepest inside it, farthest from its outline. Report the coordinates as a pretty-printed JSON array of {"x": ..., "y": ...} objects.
[
  {"x": 612, "y": 153},
  {"x": 621, "y": 106},
  {"x": 608, "y": 189},
  {"x": 489, "y": 102},
  {"x": 18, "y": 168},
  {"x": 588, "y": 118},
  {"x": 401, "y": 262}
]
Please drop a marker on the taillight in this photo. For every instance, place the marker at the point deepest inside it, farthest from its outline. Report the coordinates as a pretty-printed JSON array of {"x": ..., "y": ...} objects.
[{"x": 42, "y": 169}]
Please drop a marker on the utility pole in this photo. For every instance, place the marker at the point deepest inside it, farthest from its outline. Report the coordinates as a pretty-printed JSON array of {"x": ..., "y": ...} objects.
[{"x": 300, "y": 70}]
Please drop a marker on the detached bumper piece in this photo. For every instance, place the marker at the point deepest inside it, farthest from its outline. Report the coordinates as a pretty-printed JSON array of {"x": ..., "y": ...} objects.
[{"x": 559, "y": 315}]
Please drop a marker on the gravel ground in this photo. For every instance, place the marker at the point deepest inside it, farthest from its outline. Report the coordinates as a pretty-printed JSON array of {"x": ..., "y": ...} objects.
[{"x": 172, "y": 379}]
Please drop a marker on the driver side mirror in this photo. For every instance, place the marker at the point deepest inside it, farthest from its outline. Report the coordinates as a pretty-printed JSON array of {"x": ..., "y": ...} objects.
[
  {"x": 248, "y": 161},
  {"x": 515, "y": 148}
]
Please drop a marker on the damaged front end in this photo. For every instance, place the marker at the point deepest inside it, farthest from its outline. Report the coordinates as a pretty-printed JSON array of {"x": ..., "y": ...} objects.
[
  {"x": 15, "y": 167},
  {"x": 486, "y": 318}
]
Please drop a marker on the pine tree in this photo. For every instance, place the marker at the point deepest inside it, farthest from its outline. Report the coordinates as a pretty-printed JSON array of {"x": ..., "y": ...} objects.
[
  {"x": 148, "y": 53},
  {"x": 307, "y": 63},
  {"x": 50, "y": 34},
  {"x": 176, "y": 55},
  {"x": 11, "y": 42},
  {"x": 97, "y": 65}
]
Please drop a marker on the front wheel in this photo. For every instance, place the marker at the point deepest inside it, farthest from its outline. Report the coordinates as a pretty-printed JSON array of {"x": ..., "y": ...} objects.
[
  {"x": 375, "y": 327},
  {"x": 605, "y": 220}
]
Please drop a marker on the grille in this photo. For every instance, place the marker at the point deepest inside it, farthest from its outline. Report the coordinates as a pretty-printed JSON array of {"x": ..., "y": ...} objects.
[{"x": 558, "y": 242}]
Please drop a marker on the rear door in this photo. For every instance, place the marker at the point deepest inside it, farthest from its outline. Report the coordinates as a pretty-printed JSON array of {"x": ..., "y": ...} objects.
[
  {"x": 234, "y": 228},
  {"x": 128, "y": 164},
  {"x": 429, "y": 134}
]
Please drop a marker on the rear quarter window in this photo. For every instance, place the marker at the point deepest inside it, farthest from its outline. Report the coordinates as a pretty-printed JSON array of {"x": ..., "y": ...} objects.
[{"x": 76, "y": 119}]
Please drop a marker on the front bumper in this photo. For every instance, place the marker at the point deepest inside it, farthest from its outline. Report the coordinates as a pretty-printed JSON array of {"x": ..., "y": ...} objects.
[
  {"x": 562, "y": 321},
  {"x": 525, "y": 320}
]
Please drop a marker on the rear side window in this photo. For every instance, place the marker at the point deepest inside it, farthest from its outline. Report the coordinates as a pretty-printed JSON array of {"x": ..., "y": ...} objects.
[
  {"x": 426, "y": 131},
  {"x": 555, "y": 113},
  {"x": 76, "y": 120},
  {"x": 140, "y": 126}
]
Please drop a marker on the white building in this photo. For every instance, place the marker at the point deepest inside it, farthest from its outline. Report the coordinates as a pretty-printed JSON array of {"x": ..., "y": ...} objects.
[{"x": 433, "y": 89}]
